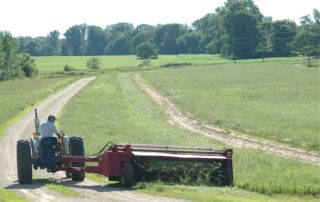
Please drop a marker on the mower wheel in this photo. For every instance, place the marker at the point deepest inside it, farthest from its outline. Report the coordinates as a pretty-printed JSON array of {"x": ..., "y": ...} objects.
[
  {"x": 227, "y": 177},
  {"x": 127, "y": 178},
  {"x": 24, "y": 162},
  {"x": 77, "y": 149}
]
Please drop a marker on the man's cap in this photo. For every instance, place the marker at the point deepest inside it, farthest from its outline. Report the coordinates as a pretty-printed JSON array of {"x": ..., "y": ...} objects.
[{"x": 51, "y": 117}]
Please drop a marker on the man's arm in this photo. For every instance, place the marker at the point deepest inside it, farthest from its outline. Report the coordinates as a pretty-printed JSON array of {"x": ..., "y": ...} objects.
[
  {"x": 59, "y": 135},
  {"x": 57, "y": 132}
]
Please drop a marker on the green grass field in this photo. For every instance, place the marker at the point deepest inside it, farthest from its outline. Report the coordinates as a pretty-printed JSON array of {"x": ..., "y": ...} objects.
[
  {"x": 19, "y": 95},
  {"x": 276, "y": 101},
  {"x": 56, "y": 63},
  {"x": 113, "y": 108}
]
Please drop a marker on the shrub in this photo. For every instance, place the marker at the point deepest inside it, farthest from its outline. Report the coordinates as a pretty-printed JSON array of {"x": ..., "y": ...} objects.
[
  {"x": 146, "y": 50},
  {"x": 93, "y": 63},
  {"x": 27, "y": 65},
  {"x": 68, "y": 68},
  {"x": 176, "y": 64}
]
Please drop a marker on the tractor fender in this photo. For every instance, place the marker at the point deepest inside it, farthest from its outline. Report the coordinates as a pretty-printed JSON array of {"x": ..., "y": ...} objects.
[
  {"x": 35, "y": 146},
  {"x": 65, "y": 145}
]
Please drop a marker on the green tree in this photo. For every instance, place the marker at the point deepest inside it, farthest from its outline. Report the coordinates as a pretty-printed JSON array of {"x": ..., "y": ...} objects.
[
  {"x": 190, "y": 42},
  {"x": 241, "y": 21},
  {"x": 123, "y": 27},
  {"x": 93, "y": 63},
  {"x": 96, "y": 41},
  {"x": 119, "y": 45},
  {"x": 8, "y": 56},
  {"x": 283, "y": 33},
  {"x": 119, "y": 38},
  {"x": 307, "y": 40},
  {"x": 75, "y": 43},
  {"x": 142, "y": 33},
  {"x": 166, "y": 36},
  {"x": 146, "y": 50},
  {"x": 27, "y": 65},
  {"x": 52, "y": 43},
  {"x": 211, "y": 32}
]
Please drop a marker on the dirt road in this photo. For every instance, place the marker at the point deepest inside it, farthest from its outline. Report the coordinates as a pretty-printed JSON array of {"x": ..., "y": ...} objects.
[
  {"x": 185, "y": 120},
  {"x": 88, "y": 190}
]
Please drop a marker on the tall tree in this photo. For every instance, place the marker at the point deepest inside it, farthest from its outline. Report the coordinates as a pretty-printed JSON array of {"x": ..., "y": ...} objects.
[
  {"x": 283, "y": 33},
  {"x": 307, "y": 40},
  {"x": 211, "y": 28},
  {"x": 119, "y": 45},
  {"x": 142, "y": 33},
  {"x": 96, "y": 41},
  {"x": 53, "y": 45},
  {"x": 166, "y": 37},
  {"x": 8, "y": 56},
  {"x": 122, "y": 27},
  {"x": 76, "y": 39},
  {"x": 119, "y": 38},
  {"x": 190, "y": 42},
  {"x": 241, "y": 19}
]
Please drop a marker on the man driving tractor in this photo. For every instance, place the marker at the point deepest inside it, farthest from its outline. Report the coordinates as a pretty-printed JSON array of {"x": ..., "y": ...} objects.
[{"x": 48, "y": 129}]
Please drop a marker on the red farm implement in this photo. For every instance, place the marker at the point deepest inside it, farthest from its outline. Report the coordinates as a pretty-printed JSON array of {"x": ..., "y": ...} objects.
[{"x": 115, "y": 161}]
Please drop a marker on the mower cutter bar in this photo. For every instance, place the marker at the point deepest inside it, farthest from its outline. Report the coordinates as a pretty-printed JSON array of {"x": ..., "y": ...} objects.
[
  {"x": 147, "y": 156},
  {"x": 178, "y": 152}
]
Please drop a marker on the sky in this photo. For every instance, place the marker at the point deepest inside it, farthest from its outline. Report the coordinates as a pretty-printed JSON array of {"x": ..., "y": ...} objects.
[{"x": 39, "y": 17}]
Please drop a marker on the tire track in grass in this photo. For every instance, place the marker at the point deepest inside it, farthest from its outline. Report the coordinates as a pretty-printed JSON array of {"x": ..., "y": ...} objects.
[{"x": 185, "y": 120}]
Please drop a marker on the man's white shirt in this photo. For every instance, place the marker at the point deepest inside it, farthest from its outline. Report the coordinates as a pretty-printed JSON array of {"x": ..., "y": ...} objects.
[{"x": 48, "y": 129}]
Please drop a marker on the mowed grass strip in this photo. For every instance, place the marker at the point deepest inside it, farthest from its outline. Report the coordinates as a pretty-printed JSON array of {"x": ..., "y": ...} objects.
[
  {"x": 113, "y": 108},
  {"x": 17, "y": 95},
  {"x": 275, "y": 101},
  {"x": 216, "y": 194},
  {"x": 57, "y": 63}
]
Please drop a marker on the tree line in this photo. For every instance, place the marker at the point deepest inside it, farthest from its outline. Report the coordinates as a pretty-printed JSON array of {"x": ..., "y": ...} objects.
[
  {"x": 13, "y": 64},
  {"x": 238, "y": 30}
]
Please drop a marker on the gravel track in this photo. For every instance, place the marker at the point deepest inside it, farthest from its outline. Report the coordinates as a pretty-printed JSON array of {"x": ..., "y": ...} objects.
[{"x": 185, "y": 120}]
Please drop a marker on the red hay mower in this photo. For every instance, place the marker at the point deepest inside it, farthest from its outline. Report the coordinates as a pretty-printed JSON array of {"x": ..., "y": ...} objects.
[{"x": 115, "y": 161}]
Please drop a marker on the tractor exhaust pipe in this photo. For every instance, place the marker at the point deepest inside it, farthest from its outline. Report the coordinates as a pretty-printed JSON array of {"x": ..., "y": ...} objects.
[{"x": 36, "y": 121}]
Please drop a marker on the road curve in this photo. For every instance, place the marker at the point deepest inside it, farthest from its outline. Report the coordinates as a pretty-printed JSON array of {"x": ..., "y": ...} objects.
[
  {"x": 185, "y": 120},
  {"x": 88, "y": 190}
]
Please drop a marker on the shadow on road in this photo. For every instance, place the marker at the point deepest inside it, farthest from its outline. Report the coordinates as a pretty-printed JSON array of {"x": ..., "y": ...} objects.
[{"x": 38, "y": 183}]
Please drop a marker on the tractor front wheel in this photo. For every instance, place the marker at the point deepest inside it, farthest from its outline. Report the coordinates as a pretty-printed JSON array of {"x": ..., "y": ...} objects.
[
  {"x": 77, "y": 149},
  {"x": 24, "y": 162}
]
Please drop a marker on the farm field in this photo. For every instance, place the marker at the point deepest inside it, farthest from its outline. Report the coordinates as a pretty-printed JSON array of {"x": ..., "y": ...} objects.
[
  {"x": 56, "y": 63},
  {"x": 275, "y": 101},
  {"x": 19, "y": 95},
  {"x": 113, "y": 108}
]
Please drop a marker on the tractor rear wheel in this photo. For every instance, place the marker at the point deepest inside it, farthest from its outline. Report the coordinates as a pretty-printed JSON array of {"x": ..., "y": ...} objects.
[
  {"x": 127, "y": 178},
  {"x": 24, "y": 162},
  {"x": 77, "y": 149}
]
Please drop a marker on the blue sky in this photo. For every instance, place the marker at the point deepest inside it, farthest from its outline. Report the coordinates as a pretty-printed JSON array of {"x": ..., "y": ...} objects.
[{"x": 39, "y": 17}]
